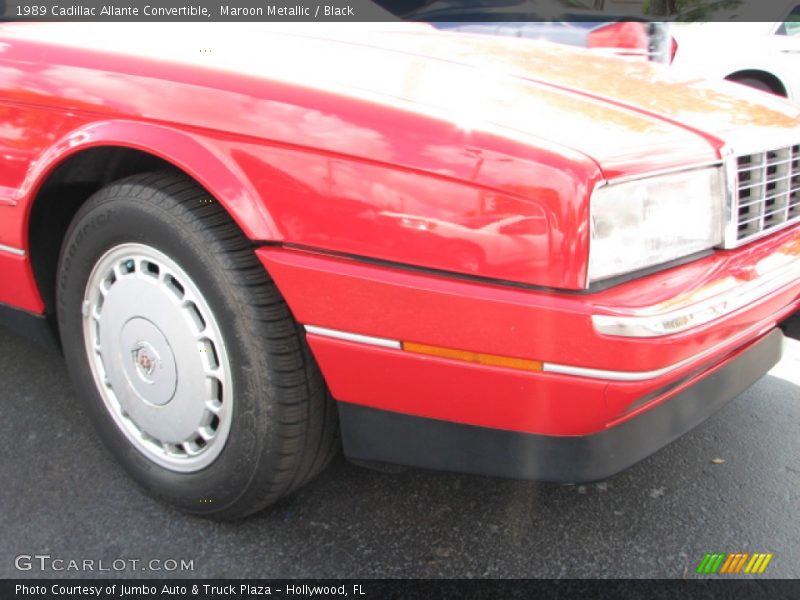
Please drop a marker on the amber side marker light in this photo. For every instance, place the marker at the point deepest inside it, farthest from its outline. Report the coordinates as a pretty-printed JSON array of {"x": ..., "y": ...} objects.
[{"x": 474, "y": 357}]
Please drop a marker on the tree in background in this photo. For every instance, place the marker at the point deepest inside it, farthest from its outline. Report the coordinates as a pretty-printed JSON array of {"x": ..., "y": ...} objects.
[
  {"x": 692, "y": 10},
  {"x": 661, "y": 7}
]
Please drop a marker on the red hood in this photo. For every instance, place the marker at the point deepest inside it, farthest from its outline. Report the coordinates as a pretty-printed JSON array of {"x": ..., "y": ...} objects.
[
  {"x": 612, "y": 109},
  {"x": 626, "y": 115}
]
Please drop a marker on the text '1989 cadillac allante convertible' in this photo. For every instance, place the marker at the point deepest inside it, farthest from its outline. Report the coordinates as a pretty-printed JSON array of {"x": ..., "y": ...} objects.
[{"x": 256, "y": 244}]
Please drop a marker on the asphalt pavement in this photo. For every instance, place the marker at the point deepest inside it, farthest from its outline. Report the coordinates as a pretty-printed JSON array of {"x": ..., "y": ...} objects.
[{"x": 731, "y": 485}]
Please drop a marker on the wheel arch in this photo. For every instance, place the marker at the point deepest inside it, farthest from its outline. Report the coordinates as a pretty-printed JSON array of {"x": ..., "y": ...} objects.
[
  {"x": 70, "y": 171},
  {"x": 774, "y": 82}
]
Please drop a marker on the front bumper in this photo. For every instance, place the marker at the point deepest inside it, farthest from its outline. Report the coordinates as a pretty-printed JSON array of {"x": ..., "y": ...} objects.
[
  {"x": 378, "y": 435},
  {"x": 361, "y": 319}
]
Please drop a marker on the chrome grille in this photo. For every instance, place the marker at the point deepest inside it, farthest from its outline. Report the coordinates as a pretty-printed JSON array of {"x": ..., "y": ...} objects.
[{"x": 768, "y": 191}]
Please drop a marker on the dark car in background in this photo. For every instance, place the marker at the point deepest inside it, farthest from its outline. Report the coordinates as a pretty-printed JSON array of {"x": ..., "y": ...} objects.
[{"x": 569, "y": 22}]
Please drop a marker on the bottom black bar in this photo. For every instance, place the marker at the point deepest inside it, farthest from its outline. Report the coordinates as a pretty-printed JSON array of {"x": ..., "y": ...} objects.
[{"x": 383, "y": 589}]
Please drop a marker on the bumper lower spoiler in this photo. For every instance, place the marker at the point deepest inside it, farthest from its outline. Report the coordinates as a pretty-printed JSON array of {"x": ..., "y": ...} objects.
[{"x": 370, "y": 434}]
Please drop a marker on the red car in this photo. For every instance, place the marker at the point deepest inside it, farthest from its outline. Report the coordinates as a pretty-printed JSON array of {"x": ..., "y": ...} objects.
[{"x": 455, "y": 252}]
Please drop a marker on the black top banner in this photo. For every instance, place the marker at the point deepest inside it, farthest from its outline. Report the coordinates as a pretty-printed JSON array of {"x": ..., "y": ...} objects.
[
  {"x": 391, "y": 10},
  {"x": 192, "y": 10}
]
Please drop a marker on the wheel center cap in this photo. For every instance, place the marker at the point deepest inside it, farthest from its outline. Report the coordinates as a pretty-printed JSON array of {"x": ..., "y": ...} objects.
[{"x": 148, "y": 362}]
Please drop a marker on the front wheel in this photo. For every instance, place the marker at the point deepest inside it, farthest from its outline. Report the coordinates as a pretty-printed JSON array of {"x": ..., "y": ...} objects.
[{"x": 194, "y": 372}]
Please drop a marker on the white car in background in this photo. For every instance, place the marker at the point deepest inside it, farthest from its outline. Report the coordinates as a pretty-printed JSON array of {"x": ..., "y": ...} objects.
[{"x": 764, "y": 55}]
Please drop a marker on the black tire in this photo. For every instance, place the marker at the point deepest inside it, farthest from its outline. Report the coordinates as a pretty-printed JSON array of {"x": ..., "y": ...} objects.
[
  {"x": 757, "y": 84},
  {"x": 283, "y": 428}
]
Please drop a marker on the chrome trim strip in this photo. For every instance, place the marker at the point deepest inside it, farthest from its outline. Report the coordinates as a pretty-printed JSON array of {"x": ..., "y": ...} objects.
[
  {"x": 354, "y": 337},
  {"x": 730, "y": 224},
  {"x": 644, "y": 375},
  {"x": 659, "y": 172},
  {"x": 654, "y": 324},
  {"x": 11, "y": 250},
  {"x": 552, "y": 367}
]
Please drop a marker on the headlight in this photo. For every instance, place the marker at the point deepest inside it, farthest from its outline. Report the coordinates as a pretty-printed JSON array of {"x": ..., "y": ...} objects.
[{"x": 646, "y": 222}]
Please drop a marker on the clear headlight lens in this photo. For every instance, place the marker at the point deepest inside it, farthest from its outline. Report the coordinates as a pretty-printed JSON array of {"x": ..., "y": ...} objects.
[{"x": 646, "y": 222}]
